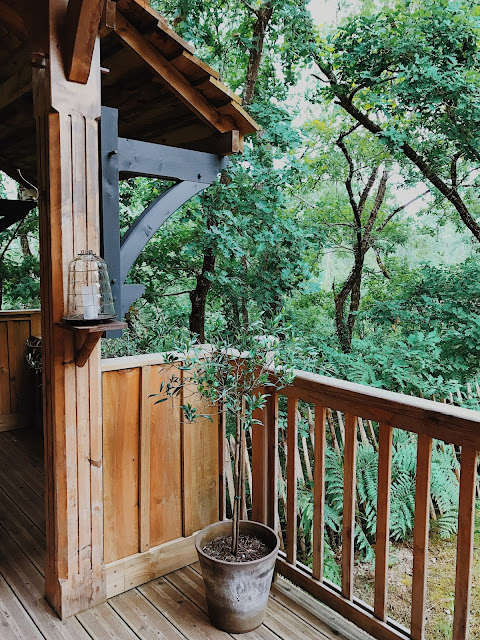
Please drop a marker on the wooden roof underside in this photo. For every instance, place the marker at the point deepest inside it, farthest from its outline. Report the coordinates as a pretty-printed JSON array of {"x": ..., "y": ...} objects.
[{"x": 162, "y": 91}]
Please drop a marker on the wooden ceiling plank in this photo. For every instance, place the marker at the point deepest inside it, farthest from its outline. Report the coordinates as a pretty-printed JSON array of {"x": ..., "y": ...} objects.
[
  {"x": 192, "y": 67},
  {"x": 14, "y": 21},
  {"x": 81, "y": 29},
  {"x": 176, "y": 82},
  {"x": 16, "y": 86}
]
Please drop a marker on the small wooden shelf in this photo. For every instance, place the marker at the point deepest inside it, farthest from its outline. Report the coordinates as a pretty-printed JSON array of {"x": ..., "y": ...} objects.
[{"x": 92, "y": 334}]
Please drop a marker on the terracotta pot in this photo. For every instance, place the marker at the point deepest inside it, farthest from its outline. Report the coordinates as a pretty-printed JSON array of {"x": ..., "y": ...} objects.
[{"x": 237, "y": 592}]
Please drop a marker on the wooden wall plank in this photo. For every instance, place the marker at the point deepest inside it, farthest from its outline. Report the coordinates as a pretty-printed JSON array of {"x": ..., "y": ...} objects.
[
  {"x": 165, "y": 461},
  {"x": 383, "y": 519},
  {"x": 145, "y": 460},
  {"x": 465, "y": 539},
  {"x": 36, "y": 324},
  {"x": 18, "y": 333},
  {"x": 349, "y": 500},
  {"x": 135, "y": 570},
  {"x": 420, "y": 536},
  {"x": 121, "y": 419},
  {"x": 5, "y": 402},
  {"x": 200, "y": 469}
]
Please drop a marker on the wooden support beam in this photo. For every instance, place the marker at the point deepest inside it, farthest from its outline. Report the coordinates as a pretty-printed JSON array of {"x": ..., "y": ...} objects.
[
  {"x": 137, "y": 158},
  {"x": 66, "y": 117},
  {"x": 173, "y": 79},
  {"x": 81, "y": 31},
  {"x": 222, "y": 144}
]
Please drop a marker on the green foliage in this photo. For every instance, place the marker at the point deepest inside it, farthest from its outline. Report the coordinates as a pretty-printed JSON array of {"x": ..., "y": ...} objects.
[
  {"x": 231, "y": 372},
  {"x": 19, "y": 262}
]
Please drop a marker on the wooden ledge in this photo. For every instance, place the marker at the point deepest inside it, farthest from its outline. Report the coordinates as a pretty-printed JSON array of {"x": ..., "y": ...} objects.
[{"x": 92, "y": 334}]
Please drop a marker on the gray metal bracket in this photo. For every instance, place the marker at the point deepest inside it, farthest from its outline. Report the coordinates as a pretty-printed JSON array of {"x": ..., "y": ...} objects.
[{"x": 122, "y": 158}]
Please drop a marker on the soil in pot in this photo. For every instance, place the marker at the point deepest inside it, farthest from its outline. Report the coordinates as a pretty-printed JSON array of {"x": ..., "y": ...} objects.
[{"x": 249, "y": 548}]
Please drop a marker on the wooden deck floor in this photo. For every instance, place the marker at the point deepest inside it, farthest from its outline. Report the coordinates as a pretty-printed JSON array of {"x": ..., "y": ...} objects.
[{"x": 168, "y": 608}]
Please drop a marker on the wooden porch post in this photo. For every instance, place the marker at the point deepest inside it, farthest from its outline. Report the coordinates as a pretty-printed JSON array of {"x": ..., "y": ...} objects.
[{"x": 66, "y": 116}]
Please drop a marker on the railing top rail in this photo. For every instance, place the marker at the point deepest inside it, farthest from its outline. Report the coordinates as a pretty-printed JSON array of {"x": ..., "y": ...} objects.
[
  {"x": 145, "y": 360},
  {"x": 131, "y": 362},
  {"x": 453, "y": 424},
  {"x": 6, "y": 313}
]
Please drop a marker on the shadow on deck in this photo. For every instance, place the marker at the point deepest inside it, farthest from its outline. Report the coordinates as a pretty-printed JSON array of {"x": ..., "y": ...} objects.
[{"x": 170, "y": 608}]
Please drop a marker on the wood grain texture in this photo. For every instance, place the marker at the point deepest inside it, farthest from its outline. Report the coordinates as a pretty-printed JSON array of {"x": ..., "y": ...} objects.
[
  {"x": 145, "y": 460},
  {"x": 420, "y": 536},
  {"x": 382, "y": 544},
  {"x": 465, "y": 542},
  {"x": 349, "y": 501},
  {"x": 121, "y": 415},
  {"x": 328, "y": 595},
  {"x": 139, "y": 568},
  {"x": 165, "y": 461},
  {"x": 435, "y": 419},
  {"x": 66, "y": 118},
  {"x": 18, "y": 332},
  {"x": 200, "y": 466},
  {"x": 319, "y": 491},
  {"x": 292, "y": 474},
  {"x": 175, "y": 81},
  {"x": 5, "y": 402},
  {"x": 79, "y": 36}
]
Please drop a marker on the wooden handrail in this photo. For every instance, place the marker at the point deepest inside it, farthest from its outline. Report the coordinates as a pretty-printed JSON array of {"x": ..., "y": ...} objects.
[
  {"x": 429, "y": 420},
  {"x": 452, "y": 424}
]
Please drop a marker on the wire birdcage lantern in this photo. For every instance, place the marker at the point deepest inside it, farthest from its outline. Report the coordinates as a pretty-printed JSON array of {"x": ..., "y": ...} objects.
[{"x": 89, "y": 299}]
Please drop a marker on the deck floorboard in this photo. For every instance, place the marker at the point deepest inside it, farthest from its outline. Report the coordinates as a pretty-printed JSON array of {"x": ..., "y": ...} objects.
[{"x": 169, "y": 608}]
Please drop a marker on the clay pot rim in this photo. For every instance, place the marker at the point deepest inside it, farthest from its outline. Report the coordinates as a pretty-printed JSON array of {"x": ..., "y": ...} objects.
[{"x": 248, "y": 563}]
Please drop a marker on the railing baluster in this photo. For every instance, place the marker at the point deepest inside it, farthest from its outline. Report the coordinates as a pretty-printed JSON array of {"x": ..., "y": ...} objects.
[
  {"x": 420, "y": 536},
  {"x": 466, "y": 521},
  {"x": 272, "y": 461},
  {"x": 292, "y": 480},
  {"x": 319, "y": 491},
  {"x": 258, "y": 488},
  {"x": 383, "y": 519},
  {"x": 349, "y": 484}
]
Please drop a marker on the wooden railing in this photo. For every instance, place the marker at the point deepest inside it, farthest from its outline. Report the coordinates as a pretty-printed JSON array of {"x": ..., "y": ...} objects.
[
  {"x": 429, "y": 420},
  {"x": 17, "y": 393}
]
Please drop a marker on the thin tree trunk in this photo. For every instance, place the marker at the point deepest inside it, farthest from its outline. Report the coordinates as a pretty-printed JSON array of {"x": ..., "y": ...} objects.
[
  {"x": 198, "y": 297},
  {"x": 264, "y": 15},
  {"x": 239, "y": 467},
  {"x": 25, "y": 245}
]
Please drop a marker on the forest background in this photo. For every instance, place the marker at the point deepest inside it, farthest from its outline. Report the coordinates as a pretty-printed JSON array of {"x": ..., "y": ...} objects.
[{"x": 353, "y": 215}]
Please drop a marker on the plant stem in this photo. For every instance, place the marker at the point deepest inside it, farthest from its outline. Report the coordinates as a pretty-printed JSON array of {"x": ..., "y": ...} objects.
[{"x": 239, "y": 467}]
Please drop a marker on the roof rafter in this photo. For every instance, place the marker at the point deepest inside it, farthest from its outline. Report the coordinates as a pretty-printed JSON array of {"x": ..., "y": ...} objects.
[{"x": 176, "y": 82}]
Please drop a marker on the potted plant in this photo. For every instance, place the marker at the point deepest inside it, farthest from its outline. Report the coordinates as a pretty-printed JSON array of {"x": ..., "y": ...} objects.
[{"x": 237, "y": 557}]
